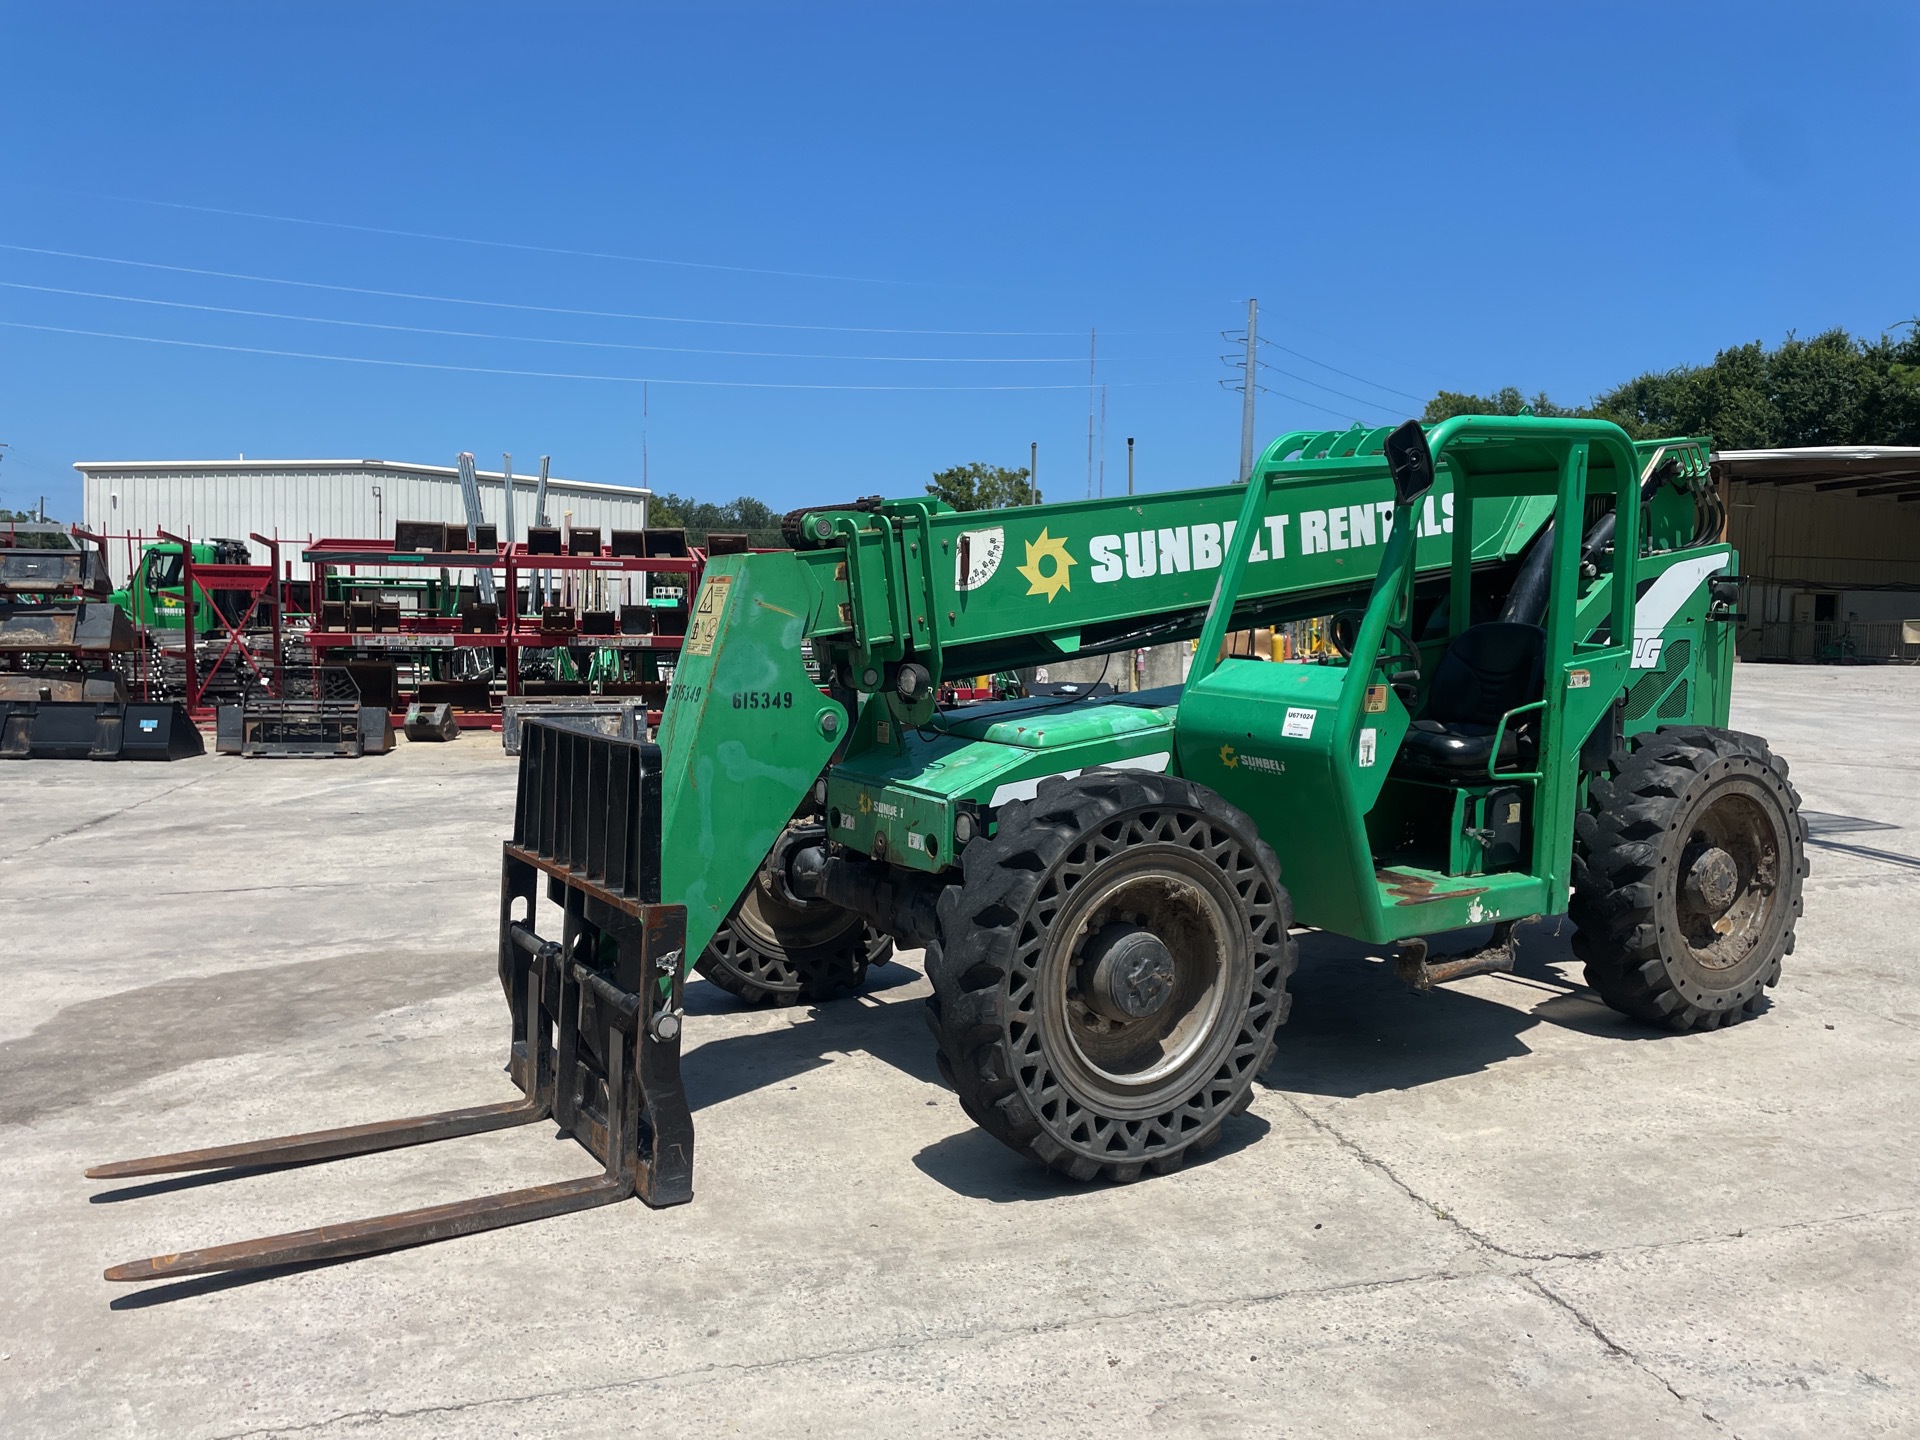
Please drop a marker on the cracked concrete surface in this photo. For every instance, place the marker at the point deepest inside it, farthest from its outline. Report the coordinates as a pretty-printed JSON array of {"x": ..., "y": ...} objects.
[{"x": 1495, "y": 1210}]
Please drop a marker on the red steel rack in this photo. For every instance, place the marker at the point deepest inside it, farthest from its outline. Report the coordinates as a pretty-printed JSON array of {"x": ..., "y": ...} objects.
[{"x": 418, "y": 635}]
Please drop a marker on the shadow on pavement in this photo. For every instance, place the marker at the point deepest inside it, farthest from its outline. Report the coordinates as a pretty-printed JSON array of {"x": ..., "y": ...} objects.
[
  {"x": 212, "y": 1284},
  {"x": 703, "y": 997},
  {"x": 974, "y": 1164},
  {"x": 1356, "y": 1030},
  {"x": 892, "y": 1031}
]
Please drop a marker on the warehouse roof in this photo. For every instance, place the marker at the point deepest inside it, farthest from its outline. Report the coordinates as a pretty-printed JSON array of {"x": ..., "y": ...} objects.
[
  {"x": 246, "y": 467},
  {"x": 1882, "y": 468}
]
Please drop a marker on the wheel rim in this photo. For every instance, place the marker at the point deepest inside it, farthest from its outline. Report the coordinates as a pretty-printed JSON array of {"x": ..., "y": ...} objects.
[
  {"x": 1728, "y": 893},
  {"x": 774, "y": 947},
  {"x": 770, "y": 923},
  {"x": 1140, "y": 1064}
]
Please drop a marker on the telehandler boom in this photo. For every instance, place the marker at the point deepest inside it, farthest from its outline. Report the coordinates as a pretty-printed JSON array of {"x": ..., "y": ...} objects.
[{"x": 1527, "y": 720}]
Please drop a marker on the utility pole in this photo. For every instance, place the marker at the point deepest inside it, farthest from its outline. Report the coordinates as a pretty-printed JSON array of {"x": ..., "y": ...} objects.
[
  {"x": 1093, "y": 337},
  {"x": 1129, "y": 464},
  {"x": 1246, "y": 403},
  {"x": 1033, "y": 472},
  {"x": 1103, "y": 442}
]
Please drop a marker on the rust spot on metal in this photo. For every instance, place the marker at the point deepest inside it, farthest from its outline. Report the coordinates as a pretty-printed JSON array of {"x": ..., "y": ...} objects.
[{"x": 1420, "y": 889}]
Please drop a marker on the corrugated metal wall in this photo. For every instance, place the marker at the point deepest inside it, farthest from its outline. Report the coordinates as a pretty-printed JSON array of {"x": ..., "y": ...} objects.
[
  {"x": 298, "y": 502},
  {"x": 1794, "y": 541},
  {"x": 1793, "y": 533}
]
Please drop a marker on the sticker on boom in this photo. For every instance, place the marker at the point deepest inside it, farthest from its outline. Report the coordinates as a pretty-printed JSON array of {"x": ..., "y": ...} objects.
[
  {"x": 705, "y": 627},
  {"x": 977, "y": 557}
]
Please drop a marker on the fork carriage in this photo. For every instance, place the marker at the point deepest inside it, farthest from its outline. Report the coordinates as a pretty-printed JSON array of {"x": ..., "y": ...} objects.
[{"x": 595, "y": 1041}]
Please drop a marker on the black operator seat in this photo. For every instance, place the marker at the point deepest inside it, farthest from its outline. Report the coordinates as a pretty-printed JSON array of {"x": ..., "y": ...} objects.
[{"x": 1486, "y": 671}]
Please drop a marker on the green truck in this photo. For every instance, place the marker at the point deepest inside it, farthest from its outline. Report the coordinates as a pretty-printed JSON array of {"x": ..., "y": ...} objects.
[
  {"x": 154, "y": 597},
  {"x": 1527, "y": 720}
]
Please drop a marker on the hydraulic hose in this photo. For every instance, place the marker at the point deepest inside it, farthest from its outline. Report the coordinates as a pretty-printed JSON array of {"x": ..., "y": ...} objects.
[{"x": 1527, "y": 600}]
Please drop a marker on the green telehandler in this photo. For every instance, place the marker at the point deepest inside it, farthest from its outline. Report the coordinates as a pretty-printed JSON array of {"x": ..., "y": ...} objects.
[{"x": 1527, "y": 719}]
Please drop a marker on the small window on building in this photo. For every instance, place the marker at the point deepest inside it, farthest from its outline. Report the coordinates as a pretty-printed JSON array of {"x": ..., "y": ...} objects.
[{"x": 1826, "y": 609}]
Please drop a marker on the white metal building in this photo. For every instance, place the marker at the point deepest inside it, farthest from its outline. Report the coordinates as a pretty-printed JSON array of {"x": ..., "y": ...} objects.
[{"x": 300, "y": 500}]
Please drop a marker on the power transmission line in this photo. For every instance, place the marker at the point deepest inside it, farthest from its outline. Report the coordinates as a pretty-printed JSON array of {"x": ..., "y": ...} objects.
[
  {"x": 540, "y": 309},
  {"x": 1234, "y": 386},
  {"x": 541, "y": 339},
  {"x": 529, "y": 374},
  {"x": 474, "y": 240},
  {"x": 1358, "y": 400},
  {"x": 1417, "y": 399},
  {"x": 1323, "y": 409}
]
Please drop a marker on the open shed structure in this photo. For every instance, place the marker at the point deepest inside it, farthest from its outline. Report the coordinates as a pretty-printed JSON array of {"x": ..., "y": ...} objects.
[{"x": 1829, "y": 538}]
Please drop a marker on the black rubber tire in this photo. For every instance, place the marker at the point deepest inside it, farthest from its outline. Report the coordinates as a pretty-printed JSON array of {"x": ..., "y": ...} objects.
[
  {"x": 770, "y": 953},
  {"x": 1003, "y": 998},
  {"x": 1671, "y": 793}
]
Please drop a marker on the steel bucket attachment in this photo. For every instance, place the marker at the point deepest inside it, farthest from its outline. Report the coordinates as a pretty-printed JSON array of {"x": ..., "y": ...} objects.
[
  {"x": 431, "y": 722},
  {"x": 92, "y": 626},
  {"x": 596, "y": 1025},
  {"x": 97, "y": 730}
]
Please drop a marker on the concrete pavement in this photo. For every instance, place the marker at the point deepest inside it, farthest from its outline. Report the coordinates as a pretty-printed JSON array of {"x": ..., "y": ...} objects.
[{"x": 1495, "y": 1210}]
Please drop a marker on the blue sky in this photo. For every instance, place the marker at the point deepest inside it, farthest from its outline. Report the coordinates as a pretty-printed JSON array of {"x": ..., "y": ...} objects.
[{"x": 1421, "y": 196}]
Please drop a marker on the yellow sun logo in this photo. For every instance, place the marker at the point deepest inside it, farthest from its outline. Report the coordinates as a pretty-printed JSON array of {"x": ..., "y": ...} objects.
[
  {"x": 1047, "y": 582},
  {"x": 1228, "y": 758},
  {"x": 866, "y": 803}
]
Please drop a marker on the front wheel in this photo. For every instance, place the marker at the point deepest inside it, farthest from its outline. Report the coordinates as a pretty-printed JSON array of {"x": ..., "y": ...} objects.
[
  {"x": 1687, "y": 877},
  {"x": 1111, "y": 972}
]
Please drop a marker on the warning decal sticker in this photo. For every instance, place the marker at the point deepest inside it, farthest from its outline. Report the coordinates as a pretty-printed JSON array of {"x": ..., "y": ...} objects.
[{"x": 712, "y": 604}]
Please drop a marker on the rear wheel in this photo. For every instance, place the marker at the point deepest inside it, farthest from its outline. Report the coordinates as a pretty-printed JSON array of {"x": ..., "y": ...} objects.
[
  {"x": 1687, "y": 877},
  {"x": 773, "y": 952},
  {"x": 1111, "y": 973}
]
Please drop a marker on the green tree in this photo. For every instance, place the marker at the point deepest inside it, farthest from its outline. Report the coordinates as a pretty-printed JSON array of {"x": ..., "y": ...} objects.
[
  {"x": 1833, "y": 389},
  {"x": 981, "y": 487},
  {"x": 1508, "y": 401},
  {"x": 700, "y": 517}
]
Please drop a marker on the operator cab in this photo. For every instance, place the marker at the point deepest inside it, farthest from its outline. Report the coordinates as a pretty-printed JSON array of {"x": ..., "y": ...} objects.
[
  {"x": 1464, "y": 789},
  {"x": 1487, "y": 671}
]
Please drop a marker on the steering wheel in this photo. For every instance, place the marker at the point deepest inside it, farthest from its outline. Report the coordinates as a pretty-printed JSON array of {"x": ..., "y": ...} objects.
[{"x": 1344, "y": 629}]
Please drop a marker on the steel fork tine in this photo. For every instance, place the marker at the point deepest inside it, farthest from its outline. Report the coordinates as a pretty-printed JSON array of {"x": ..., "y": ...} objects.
[
  {"x": 348, "y": 1140},
  {"x": 333, "y": 1144},
  {"x": 384, "y": 1232}
]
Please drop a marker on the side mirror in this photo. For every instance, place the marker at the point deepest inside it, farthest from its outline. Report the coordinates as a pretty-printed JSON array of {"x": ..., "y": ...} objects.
[{"x": 1410, "y": 461}]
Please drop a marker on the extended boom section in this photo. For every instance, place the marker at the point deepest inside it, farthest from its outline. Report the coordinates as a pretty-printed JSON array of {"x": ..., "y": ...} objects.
[{"x": 970, "y": 593}]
